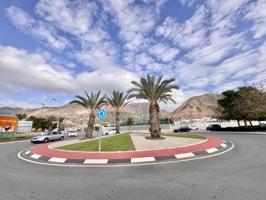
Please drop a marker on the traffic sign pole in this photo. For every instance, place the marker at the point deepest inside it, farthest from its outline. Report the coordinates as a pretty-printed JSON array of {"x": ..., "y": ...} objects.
[
  {"x": 101, "y": 114},
  {"x": 100, "y": 139}
]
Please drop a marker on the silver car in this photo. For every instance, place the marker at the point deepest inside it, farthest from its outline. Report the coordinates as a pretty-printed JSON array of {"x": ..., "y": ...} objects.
[{"x": 51, "y": 136}]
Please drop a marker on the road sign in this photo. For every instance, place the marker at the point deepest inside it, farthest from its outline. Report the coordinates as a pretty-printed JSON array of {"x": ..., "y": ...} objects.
[{"x": 101, "y": 113}]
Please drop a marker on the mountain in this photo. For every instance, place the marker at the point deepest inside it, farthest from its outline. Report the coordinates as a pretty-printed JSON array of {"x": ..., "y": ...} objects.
[
  {"x": 197, "y": 107},
  {"x": 75, "y": 115},
  {"x": 10, "y": 111}
]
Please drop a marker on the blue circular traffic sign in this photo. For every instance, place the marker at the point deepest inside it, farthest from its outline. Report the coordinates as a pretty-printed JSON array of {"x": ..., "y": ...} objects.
[{"x": 101, "y": 113}]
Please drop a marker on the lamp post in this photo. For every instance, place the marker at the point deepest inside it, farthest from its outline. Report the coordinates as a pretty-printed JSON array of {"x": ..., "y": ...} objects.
[{"x": 43, "y": 104}]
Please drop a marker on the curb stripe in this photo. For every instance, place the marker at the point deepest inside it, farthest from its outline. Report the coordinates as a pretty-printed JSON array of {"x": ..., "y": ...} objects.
[
  {"x": 211, "y": 150},
  {"x": 144, "y": 159},
  {"x": 223, "y": 145},
  {"x": 184, "y": 155},
  {"x": 35, "y": 156},
  {"x": 95, "y": 161},
  {"x": 134, "y": 161},
  {"x": 58, "y": 160}
]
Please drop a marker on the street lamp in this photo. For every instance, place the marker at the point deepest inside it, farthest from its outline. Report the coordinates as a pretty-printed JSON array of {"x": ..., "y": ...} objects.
[{"x": 43, "y": 104}]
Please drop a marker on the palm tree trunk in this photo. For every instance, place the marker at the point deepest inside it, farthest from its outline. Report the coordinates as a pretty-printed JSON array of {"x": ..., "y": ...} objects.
[
  {"x": 154, "y": 123},
  {"x": 90, "y": 127},
  {"x": 158, "y": 119},
  {"x": 117, "y": 121}
]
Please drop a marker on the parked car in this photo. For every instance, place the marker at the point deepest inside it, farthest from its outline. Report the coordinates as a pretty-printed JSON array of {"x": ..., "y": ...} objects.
[
  {"x": 213, "y": 127},
  {"x": 47, "y": 137},
  {"x": 193, "y": 127},
  {"x": 182, "y": 129},
  {"x": 109, "y": 131},
  {"x": 72, "y": 134}
]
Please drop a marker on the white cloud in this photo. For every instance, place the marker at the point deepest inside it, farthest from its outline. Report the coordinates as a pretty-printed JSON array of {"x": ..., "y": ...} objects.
[
  {"x": 135, "y": 21},
  {"x": 164, "y": 52},
  {"x": 229, "y": 86},
  {"x": 258, "y": 15},
  {"x": 22, "y": 69},
  {"x": 218, "y": 47},
  {"x": 67, "y": 15},
  {"x": 188, "y": 34},
  {"x": 36, "y": 73},
  {"x": 36, "y": 28},
  {"x": 20, "y": 104},
  {"x": 106, "y": 80},
  {"x": 223, "y": 9}
]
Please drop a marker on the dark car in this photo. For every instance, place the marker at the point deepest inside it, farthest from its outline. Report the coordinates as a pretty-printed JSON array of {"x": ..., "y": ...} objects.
[
  {"x": 182, "y": 129},
  {"x": 213, "y": 127}
]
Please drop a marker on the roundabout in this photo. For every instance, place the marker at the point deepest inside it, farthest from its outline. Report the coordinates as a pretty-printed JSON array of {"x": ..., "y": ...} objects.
[
  {"x": 237, "y": 174},
  {"x": 48, "y": 154}
]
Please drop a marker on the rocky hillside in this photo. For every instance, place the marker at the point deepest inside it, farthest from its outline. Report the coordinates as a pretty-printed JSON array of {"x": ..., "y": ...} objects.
[
  {"x": 9, "y": 111},
  {"x": 194, "y": 108},
  {"x": 197, "y": 107},
  {"x": 76, "y": 115}
]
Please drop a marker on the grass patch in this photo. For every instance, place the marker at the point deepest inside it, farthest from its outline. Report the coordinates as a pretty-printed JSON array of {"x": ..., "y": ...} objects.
[
  {"x": 121, "y": 142},
  {"x": 14, "y": 137},
  {"x": 184, "y": 135}
]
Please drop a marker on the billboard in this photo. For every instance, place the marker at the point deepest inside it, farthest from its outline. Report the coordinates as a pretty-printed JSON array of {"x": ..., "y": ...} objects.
[
  {"x": 8, "y": 124},
  {"x": 24, "y": 126}
]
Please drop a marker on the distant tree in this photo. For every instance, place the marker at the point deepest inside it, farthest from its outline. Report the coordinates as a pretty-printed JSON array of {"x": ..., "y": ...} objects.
[
  {"x": 92, "y": 103},
  {"x": 166, "y": 120},
  {"x": 38, "y": 123},
  {"x": 250, "y": 103},
  {"x": 117, "y": 101},
  {"x": 247, "y": 103},
  {"x": 60, "y": 126},
  {"x": 227, "y": 106},
  {"x": 129, "y": 123},
  {"x": 21, "y": 116}
]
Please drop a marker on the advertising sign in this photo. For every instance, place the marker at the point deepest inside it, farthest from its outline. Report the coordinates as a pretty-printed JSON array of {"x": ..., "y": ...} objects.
[{"x": 8, "y": 124}]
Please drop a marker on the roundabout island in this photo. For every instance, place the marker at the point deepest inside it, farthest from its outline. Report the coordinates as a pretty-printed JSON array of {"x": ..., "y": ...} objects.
[{"x": 140, "y": 151}]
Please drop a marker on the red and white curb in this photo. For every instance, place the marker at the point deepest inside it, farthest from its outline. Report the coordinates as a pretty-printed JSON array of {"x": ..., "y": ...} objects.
[{"x": 27, "y": 155}]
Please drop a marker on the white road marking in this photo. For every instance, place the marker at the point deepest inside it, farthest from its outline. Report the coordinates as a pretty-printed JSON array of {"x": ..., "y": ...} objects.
[
  {"x": 126, "y": 165},
  {"x": 27, "y": 152},
  {"x": 211, "y": 150},
  {"x": 144, "y": 159},
  {"x": 223, "y": 145},
  {"x": 58, "y": 160},
  {"x": 184, "y": 155},
  {"x": 35, "y": 156},
  {"x": 96, "y": 161}
]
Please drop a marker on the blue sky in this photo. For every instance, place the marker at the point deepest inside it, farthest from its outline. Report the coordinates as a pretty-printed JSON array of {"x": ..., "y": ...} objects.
[{"x": 56, "y": 49}]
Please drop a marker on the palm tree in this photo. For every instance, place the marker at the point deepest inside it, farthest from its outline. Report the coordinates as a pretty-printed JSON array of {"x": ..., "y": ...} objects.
[
  {"x": 91, "y": 102},
  {"x": 154, "y": 90},
  {"x": 117, "y": 101}
]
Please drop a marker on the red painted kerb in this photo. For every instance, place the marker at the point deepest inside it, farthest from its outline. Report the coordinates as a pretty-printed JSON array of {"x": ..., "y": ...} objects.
[{"x": 43, "y": 150}]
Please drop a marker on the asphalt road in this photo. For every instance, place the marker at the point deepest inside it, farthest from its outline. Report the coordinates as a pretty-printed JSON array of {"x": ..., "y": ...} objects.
[{"x": 236, "y": 175}]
